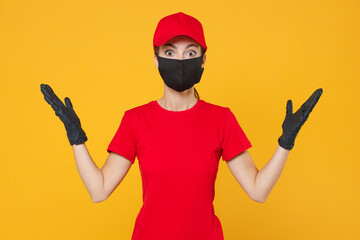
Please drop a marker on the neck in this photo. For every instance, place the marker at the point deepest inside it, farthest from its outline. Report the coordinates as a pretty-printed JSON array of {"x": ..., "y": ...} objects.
[{"x": 178, "y": 101}]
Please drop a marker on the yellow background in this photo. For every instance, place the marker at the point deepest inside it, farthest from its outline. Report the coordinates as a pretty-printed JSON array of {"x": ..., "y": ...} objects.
[{"x": 260, "y": 54}]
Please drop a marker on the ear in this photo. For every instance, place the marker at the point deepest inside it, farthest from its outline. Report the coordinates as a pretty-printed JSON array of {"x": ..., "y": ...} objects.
[
  {"x": 204, "y": 60},
  {"x": 156, "y": 61}
]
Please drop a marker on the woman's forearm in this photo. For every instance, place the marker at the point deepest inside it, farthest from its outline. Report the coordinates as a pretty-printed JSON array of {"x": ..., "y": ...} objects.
[
  {"x": 270, "y": 173},
  {"x": 90, "y": 174}
]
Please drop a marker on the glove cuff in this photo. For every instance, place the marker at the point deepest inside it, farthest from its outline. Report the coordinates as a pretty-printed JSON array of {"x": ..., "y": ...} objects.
[
  {"x": 285, "y": 144},
  {"x": 79, "y": 141},
  {"x": 77, "y": 136}
]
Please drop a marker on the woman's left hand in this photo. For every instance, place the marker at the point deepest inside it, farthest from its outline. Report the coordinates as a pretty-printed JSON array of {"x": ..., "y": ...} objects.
[{"x": 294, "y": 121}]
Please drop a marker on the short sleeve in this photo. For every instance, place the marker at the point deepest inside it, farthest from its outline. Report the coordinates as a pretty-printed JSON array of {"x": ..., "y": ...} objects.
[
  {"x": 234, "y": 139},
  {"x": 125, "y": 141}
]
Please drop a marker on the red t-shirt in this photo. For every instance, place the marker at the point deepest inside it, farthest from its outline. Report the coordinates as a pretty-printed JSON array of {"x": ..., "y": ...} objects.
[{"x": 178, "y": 154}]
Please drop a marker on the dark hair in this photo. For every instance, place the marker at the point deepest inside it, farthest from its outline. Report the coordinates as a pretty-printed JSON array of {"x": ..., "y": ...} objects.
[{"x": 202, "y": 53}]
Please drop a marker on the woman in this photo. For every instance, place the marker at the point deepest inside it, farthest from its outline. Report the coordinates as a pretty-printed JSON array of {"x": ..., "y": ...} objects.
[{"x": 178, "y": 141}]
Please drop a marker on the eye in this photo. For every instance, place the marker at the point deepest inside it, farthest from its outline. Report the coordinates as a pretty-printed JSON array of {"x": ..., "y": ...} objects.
[
  {"x": 169, "y": 51},
  {"x": 191, "y": 53}
]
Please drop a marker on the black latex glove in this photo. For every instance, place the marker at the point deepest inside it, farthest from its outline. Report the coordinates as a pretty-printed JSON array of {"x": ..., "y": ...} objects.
[
  {"x": 293, "y": 122},
  {"x": 67, "y": 115}
]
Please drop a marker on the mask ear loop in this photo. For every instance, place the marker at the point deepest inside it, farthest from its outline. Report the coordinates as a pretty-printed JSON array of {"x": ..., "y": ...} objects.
[{"x": 202, "y": 58}]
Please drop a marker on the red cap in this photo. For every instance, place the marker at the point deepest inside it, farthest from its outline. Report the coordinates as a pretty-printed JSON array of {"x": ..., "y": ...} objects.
[{"x": 178, "y": 24}]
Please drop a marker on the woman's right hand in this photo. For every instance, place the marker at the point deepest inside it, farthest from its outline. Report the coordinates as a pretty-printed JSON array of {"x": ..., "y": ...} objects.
[{"x": 67, "y": 115}]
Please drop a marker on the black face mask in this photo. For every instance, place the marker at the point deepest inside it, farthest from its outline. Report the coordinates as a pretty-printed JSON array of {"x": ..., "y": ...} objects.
[{"x": 180, "y": 75}]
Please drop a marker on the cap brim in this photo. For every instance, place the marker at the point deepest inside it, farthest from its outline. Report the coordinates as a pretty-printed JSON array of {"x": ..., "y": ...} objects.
[{"x": 172, "y": 35}]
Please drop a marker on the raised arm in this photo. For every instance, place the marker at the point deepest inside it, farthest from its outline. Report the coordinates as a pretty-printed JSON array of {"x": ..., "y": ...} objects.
[
  {"x": 258, "y": 184},
  {"x": 99, "y": 183},
  {"x": 90, "y": 174}
]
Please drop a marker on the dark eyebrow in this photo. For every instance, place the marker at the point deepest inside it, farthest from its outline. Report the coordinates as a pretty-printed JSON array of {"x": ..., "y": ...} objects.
[{"x": 169, "y": 44}]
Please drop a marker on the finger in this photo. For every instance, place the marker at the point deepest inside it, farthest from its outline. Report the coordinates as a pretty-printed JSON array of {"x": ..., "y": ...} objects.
[
  {"x": 51, "y": 93},
  {"x": 68, "y": 103},
  {"x": 289, "y": 107},
  {"x": 313, "y": 100},
  {"x": 47, "y": 96},
  {"x": 47, "y": 91},
  {"x": 54, "y": 106},
  {"x": 44, "y": 90}
]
